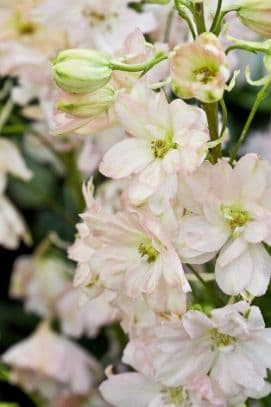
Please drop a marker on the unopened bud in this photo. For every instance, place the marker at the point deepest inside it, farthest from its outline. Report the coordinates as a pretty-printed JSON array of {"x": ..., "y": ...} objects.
[
  {"x": 87, "y": 105},
  {"x": 82, "y": 71},
  {"x": 256, "y": 15},
  {"x": 157, "y": 1}
]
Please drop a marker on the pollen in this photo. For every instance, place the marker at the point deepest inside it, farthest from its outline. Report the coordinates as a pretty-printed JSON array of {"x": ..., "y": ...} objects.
[
  {"x": 148, "y": 251},
  {"x": 220, "y": 339},
  {"x": 235, "y": 216},
  {"x": 160, "y": 147},
  {"x": 204, "y": 74},
  {"x": 176, "y": 396}
]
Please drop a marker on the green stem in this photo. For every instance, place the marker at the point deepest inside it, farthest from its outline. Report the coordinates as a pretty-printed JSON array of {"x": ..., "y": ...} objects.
[
  {"x": 120, "y": 66},
  {"x": 217, "y": 16},
  {"x": 185, "y": 17},
  {"x": 203, "y": 282},
  {"x": 5, "y": 113},
  {"x": 199, "y": 17},
  {"x": 262, "y": 94},
  {"x": 224, "y": 116},
  {"x": 211, "y": 110},
  {"x": 216, "y": 28}
]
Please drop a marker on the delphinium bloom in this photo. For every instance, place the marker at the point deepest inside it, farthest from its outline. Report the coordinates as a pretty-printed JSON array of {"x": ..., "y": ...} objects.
[
  {"x": 165, "y": 139},
  {"x": 104, "y": 24},
  {"x": 45, "y": 285},
  {"x": 141, "y": 388},
  {"x": 232, "y": 339},
  {"x": 51, "y": 365},
  {"x": 230, "y": 214},
  {"x": 130, "y": 254},
  {"x": 12, "y": 227},
  {"x": 199, "y": 69}
]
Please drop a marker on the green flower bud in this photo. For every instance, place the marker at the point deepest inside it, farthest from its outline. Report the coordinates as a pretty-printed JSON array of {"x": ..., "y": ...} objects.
[
  {"x": 81, "y": 71},
  {"x": 256, "y": 15},
  {"x": 87, "y": 105},
  {"x": 158, "y": 1}
]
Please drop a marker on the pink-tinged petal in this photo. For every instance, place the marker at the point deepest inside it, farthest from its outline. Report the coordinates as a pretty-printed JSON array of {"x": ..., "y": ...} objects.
[
  {"x": 241, "y": 363},
  {"x": 129, "y": 389},
  {"x": 198, "y": 234},
  {"x": 250, "y": 173},
  {"x": 231, "y": 251},
  {"x": 171, "y": 162},
  {"x": 125, "y": 158},
  {"x": 256, "y": 231},
  {"x": 173, "y": 270},
  {"x": 234, "y": 277},
  {"x": 133, "y": 115},
  {"x": 196, "y": 324},
  {"x": 261, "y": 270}
]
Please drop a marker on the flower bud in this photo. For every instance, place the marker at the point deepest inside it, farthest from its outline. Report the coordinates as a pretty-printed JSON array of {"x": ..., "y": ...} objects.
[
  {"x": 157, "y": 1},
  {"x": 199, "y": 69},
  {"x": 87, "y": 105},
  {"x": 256, "y": 15},
  {"x": 82, "y": 71}
]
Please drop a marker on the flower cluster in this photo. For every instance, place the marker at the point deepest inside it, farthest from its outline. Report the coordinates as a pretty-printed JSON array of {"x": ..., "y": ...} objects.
[{"x": 174, "y": 245}]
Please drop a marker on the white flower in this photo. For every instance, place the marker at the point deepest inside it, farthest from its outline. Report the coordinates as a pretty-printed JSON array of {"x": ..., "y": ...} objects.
[
  {"x": 166, "y": 139},
  {"x": 232, "y": 346},
  {"x": 228, "y": 212},
  {"x": 51, "y": 365}
]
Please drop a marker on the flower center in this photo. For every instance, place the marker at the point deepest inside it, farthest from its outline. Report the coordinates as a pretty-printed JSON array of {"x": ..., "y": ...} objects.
[
  {"x": 176, "y": 396},
  {"x": 204, "y": 74},
  {"x": 147, "y": 250},
  {"x": 219, "y": 339},
  {"x": 235, "y": 216},
  {"x": 160, "y": 147},
  {"x": 23, "y": 26}
]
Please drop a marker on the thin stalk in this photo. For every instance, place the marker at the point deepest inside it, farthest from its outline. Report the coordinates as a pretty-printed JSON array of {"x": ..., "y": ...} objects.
[
  {"x": 217, "y": 15},
  {"x": 5, "y": 112},
  {"x": 120, "y": 66},
  {"x": 186, "y": 18},
  {"x": 211, "y": 110},
  {"x": 199, "y": 17},
  {"x": 203, "y": 282},
  {"x": 262, "y": 94},
  {"x": 224, "y": 116}
]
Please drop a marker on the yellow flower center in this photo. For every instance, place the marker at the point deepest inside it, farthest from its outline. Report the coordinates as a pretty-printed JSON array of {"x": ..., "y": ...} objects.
[
  {"x": 160, "y": 147},
  {"x": 235, "y": 216},
  {"x": 219, "y": 339},
  {"x": 147, "y": 250},
  {"x": 176, "y": 396},
  {"x": 204, "y": 74}
]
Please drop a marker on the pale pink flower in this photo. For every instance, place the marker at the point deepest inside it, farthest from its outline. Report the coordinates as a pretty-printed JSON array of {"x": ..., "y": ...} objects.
[
  {"x": 232, "y": 340},
  {"x": 85, "y": 318},
  {"x": 165, "y": 139},
  {"x": 39, "y": 281},
  {"x": 229, "y": 213},
  {"x": 199, "y": 69},
  {"x": 104, "y": 25},
  {"x": 12, "y": 226},
  {"x": 135, "y": 253},
  {"x": 51, "y": 365},
  {"x": 147, "y": 391}
]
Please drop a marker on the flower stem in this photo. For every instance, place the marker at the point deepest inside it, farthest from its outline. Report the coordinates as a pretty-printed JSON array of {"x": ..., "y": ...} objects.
[
  {"x": 199, "y": 17},
  {"x": 120, "y": 66},
  {"x": 217, "y": 16},
  {"x": 211, "y": 110},
  {"x": 262, "y": 94},
  {"x": 185, "y": 17}
]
